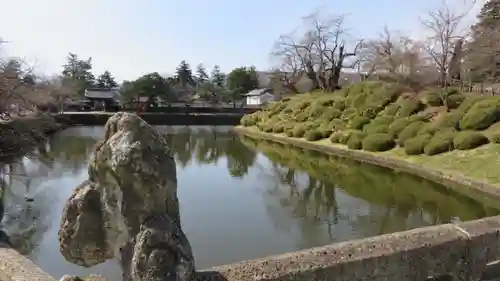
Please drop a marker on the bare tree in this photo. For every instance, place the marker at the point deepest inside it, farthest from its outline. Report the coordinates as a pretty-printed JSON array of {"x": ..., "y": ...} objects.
[
  {"x": 443, "y": 26},
  {"x": 392, "y": 56},
  {"x": 319, "y": 52}
]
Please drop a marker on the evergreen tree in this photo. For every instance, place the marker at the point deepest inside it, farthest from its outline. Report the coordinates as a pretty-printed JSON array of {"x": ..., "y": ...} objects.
[
  {"x": 78, "y": 72},
  {"x": 217, "y": 77},
  {"x": 106, "y": 81},
  {"x": 201, "y": 74},
  {"x": 184, "y": 74}
]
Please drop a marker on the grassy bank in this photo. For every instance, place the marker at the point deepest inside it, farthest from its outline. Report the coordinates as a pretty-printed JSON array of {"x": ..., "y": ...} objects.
[
  {"x": 21, "y": 134},
  {"x": 387, "y": 120}
]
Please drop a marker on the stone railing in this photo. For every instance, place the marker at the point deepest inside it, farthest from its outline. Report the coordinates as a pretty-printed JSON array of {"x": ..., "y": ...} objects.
[
  {"x": 128, "y": 209},
  {"x": 463, "y": 251}
]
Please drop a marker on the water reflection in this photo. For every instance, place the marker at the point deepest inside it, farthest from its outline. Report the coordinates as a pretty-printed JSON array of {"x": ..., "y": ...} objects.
[
  {"x": 239, "y": 199},
  {"x": 207, "y": 146},
  {"x": 314, "y": 186}
]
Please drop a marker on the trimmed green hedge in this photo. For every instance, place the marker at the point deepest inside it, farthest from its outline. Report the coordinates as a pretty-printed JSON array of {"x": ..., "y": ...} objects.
[
  {"x": 440, "y": 142},
  {"x": 378, "y": 142},
  {"x": 481, "y": 115},
  {"x": 410, "y": 131},
  {"x": 314, "y": 135},
  {"x": 415, "y": 145},
  {"x": 469, "y": 139}
]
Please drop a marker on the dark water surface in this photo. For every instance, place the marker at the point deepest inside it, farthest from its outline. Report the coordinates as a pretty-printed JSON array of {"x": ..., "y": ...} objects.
[{"x": 239, "y": 199}]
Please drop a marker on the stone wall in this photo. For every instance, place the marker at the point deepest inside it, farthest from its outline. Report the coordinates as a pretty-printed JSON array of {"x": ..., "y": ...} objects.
[
  {"x": 99, "y": 119},
  {"x": 461, "y": 251}
]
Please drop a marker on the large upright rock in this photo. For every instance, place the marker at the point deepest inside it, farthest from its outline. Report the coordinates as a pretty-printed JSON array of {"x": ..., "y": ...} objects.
[{"x": 129, "y": 208}]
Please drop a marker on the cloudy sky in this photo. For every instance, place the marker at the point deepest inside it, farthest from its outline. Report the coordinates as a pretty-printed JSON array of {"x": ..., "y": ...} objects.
[{"x": 132, "y": 37}]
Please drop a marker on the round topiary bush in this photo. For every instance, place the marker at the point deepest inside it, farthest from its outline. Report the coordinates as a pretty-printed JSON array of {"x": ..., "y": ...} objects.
[
  {"x": 409, "y": 131},
  {"x": 378, "y": 125},
  {"x": 399, "y": 124},
  {"x": 313, "y": 135},
  {"x": 279, "y": 127},
  {"x": 390, "y": 110},
  {"x": 355, "y": 142},
  {"x": 289, "y": 132},
  {"x": 249, "y": 120},
  {"x": 344, "y": 137},
  {"x": 299, "y": 131},
  {"x": 469, "y": 139},
  {"x": 358, "y": 122},
  {"x": 409, "y": 107},
  {"x": 440, "y": 142},
  {"x": 378, "y": 142},
  {"x": 335, "y": 137},
  {"x": 454, "y": 101},
  {"x": 481, "y": 115},
  {"x": 331, "y": 113},
  {"x": 415, "y": 145},
  {"x": 349, "y": 113}
]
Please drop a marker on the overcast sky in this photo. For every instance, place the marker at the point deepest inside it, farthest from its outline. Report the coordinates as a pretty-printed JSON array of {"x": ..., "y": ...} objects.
[{"x": 132, "y": 37}]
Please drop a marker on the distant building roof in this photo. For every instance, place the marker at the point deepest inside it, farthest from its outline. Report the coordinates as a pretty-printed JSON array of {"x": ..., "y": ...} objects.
[
  {"x": 101, "y": 94},
  {"x": 257, "y": 92}
]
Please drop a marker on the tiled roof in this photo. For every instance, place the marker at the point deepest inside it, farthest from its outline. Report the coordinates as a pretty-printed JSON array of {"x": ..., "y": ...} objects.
[{"x": 101, "y": 94}]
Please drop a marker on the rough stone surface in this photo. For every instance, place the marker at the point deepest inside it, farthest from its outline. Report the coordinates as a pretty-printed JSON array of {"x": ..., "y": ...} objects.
[
  {"x": 128, "y": 208},
  {"x": 82, "y": 230}
]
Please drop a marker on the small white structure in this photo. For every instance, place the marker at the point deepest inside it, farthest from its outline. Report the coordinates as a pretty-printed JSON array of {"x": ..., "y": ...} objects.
[{"x": 259, "y": 97}]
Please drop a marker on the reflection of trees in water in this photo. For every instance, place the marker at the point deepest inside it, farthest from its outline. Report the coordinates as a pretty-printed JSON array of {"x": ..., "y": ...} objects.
[
  {"x": 25, "y": 197},
  {"x": 207, "y": 146},
  {"x": 71, "y": 152},
  {"x": 26, "y": 206},
  {"x": 307, "y": 184}
]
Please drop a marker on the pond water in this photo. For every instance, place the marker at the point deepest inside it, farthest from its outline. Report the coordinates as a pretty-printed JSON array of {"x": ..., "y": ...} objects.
[{"x": 239, "y": 199}]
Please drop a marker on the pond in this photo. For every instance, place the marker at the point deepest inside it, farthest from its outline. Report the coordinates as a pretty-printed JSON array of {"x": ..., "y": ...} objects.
[{"x": 239, "y": 199}]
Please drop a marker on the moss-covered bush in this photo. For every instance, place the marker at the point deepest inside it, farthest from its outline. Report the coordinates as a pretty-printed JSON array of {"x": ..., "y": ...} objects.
[
  {"x": 355, "y": 142},
  {"x": 415, "y": 145},
  {"x": 358, "y": 122},
  {"x": 279, "y": 127},
  {"x": 344, "y": 137},
  {"x": 335, "y": 137},
  {"x": 378, "y": 142},
  {"x": 399, "y": 124},
  {"x": 410, "y": 131},
  {"x": 348, "y": 113},
  {"x": 469, "y": 140},
  {"x": 314, "y": 135},
  {"x": 391, "y": 110},
  {"x": 250, "y": 120},
  {"x": 481, "y": 115},
  {"x": 331, "y": 113},
  {"x": 299, "y": 130},
  {"x": 378, "y": 125},
  {"x": 455, "y": 101},
  {"x": 440, "y": 142},
  {"x": 409, "y": 107}
]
